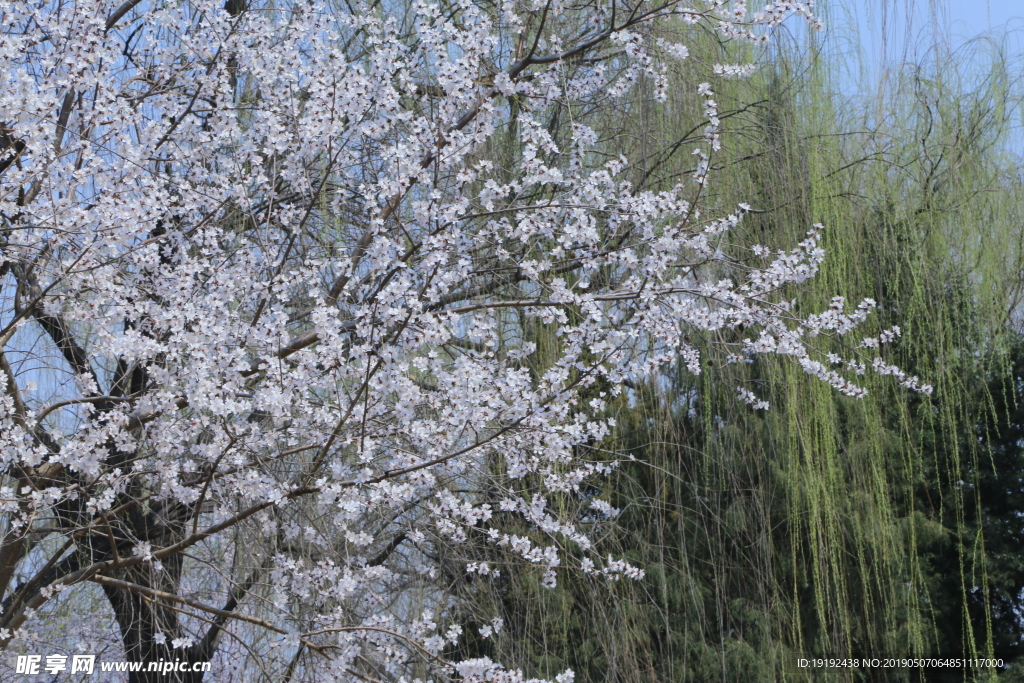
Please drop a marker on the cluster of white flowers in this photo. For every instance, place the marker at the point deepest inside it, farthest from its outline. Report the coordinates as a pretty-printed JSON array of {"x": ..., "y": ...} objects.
[
  {"x": 752, "y": 400},
  {"x": 487, "y": 630},
  {"x": 734, "y": 70}
]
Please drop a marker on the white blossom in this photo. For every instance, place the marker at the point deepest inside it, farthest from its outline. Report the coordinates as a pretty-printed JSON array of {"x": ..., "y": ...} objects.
[{"x": 287, "y": 300}]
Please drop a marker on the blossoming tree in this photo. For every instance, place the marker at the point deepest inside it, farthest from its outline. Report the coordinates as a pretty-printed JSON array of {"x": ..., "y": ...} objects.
[{"x": 267, "y": 287}]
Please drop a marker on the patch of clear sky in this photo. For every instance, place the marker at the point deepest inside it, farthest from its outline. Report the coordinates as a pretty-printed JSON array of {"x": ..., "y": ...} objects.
[
  {"x": 872, "y": 39},
  {"x": 890, "y": 32}
]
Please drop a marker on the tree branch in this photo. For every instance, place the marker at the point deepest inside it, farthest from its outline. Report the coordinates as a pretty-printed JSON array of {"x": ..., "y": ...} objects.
[
  {"x": 116, "y": 15},
  {"x": 203, "y": 650}
]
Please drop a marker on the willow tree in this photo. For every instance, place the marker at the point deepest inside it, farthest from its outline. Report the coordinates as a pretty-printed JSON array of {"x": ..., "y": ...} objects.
[{"x": 824, "y": 526}]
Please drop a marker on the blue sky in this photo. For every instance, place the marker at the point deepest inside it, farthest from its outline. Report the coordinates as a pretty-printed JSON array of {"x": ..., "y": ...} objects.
[
  {"x": 873, "y": 37},
  {"x": 976, "y": 16},
  {"x": 889, "y": 30}
]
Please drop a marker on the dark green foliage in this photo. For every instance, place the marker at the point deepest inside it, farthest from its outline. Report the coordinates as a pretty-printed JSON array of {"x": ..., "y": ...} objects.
[{"x": 995, "y": 484}]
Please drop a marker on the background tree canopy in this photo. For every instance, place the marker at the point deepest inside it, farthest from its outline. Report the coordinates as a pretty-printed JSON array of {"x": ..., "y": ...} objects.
[{"x": 826, "y": 526}]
